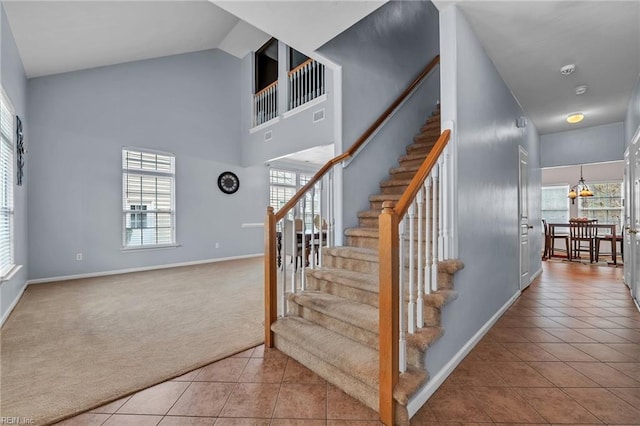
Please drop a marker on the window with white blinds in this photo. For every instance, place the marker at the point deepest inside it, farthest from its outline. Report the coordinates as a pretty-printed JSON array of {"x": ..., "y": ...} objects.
[
  {"x": 7, "y": 122},
  {"x": 148, "y": 199}
]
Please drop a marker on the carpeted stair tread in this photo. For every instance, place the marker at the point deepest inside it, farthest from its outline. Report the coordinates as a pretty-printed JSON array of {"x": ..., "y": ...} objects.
[
  {"x": 362, "y": 232},
  {"x": 394, "y": 182},
  {"x": 353, "y": 253},
  {"x": 440, "y": 298},
  {"x": 420, "y": 146},
  {"x": 359, "y": 280},
  {"x": 349, "y": 311},
  {"x": 450, "y": 266},
  {"x": 412, "y": 157},
  {"x": 356, "y": 359},
  {"x": 403, "y": 169},
  {"x": 385, "y": 197},
  {"x": 424, "y": 337}
]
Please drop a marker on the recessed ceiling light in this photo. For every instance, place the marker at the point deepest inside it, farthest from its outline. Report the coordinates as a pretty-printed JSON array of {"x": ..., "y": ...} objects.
[
  {"x": 575, "y": 118},
  {"x": 567, "y": 69}
]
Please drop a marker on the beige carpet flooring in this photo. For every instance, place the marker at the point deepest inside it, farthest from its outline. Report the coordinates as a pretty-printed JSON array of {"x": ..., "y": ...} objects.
[{"x": 74, "y": 345}]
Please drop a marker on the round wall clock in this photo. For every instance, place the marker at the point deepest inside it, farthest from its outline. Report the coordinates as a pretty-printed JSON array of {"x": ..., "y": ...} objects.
[{"x": 228, "y": 182}]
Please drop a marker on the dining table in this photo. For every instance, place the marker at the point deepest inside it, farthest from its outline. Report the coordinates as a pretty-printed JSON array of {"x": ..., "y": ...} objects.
[{"x": 603, "y": 231}]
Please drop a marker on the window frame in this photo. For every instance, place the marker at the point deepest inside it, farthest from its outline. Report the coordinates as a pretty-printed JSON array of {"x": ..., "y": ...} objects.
[
  {"x": 7, "y": 271},
  {"x": 565, "y": 189},
  {"x": 146, "y": 211},
  {"x": 620, "y": 209}
]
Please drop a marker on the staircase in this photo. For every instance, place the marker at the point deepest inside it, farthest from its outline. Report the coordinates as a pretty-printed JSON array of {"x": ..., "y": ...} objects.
[{"x": 332, "y": 326}]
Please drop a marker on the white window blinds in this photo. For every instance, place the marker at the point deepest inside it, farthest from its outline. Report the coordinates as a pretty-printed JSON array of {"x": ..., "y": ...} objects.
[
  {"x": 148, "y": 216},
  {"x": 7, "y": 120}
]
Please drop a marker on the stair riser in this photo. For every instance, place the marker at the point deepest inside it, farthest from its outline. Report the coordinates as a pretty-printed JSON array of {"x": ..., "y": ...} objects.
[
  {"x": 337, "y": 289},
  {"x": 343, "y": 380},
  {"x": 419, "y": 149},
  {"x": 402, "y": 175},
  {"x": 430, "y": 136},
  {"x": 356, "y": 265},
  {"x": 358, "y": 334},
  {"x": 394, "y": 189},
  {"x": 364, "y": 242},
  {"x": 369, "y": 222},
  {"x": 414, "y": 162}
]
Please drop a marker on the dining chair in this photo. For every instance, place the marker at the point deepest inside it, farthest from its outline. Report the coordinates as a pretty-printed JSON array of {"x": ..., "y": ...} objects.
[
  {"x": 607, "y": 238},
  {"x": 292, "y": 241},
  {"x": 320, "y": 226},
  {"x": 580, "y": 232},
  {"x": 554, "y": 235}
]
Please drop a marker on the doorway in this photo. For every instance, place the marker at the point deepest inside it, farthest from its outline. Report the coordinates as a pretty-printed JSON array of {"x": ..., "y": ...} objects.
[{"x": 523, "y": 214}]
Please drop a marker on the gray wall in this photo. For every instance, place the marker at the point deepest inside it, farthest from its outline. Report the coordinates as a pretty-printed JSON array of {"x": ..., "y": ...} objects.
[
  {"x": 14, "y": 84},
  {"x": 487, "y": 145},
  {"x": 380, "y": 56},
  {"x": 632, "y": 121},
  {"x": 583, "y": 146},
  {"x": 291, "y": 134},
  {"x": 185, "y": 104}
]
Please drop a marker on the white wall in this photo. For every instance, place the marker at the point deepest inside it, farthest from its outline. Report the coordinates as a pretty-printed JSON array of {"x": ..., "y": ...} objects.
[
  {"x": 185, "y": 104},
  {"x": 14, "y": 83},
  {"x": 475, "y": 97},
  {"x": 583, "y": 146}
]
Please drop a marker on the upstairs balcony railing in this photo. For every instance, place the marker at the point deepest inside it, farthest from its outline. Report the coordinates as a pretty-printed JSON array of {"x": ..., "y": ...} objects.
[
  {"x": 306, "y": 82},
  {"x": 265, "y": 104}
]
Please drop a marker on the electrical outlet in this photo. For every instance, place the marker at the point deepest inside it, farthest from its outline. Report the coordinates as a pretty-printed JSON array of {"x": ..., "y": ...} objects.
[
  {"x": 78, "y": 256},
  {"x": 217, "y": 245}
]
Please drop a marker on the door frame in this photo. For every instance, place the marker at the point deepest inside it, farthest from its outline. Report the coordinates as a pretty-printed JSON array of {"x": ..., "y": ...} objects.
[{"x": 524, "y": 279}]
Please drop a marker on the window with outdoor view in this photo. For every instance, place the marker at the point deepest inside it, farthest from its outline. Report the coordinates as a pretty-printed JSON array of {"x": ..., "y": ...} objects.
[
  {"x": 7, "y": 131},
  {"x": 606, "y": 205},
  {"x": 148, "y": 212},
  {"x": 555, "y": 204}
]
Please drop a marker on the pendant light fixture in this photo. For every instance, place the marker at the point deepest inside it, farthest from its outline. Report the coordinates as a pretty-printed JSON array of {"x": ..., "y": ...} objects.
[{"x": 580, "y": 189}]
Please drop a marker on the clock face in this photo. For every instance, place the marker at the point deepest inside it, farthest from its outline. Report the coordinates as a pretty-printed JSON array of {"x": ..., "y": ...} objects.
[{"x": 228, "y": 182}]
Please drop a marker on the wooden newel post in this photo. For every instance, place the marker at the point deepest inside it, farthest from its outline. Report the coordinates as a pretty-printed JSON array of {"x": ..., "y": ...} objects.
[
  {"x": 270, "y": 279},
  {"x": 389, "y": 307}
]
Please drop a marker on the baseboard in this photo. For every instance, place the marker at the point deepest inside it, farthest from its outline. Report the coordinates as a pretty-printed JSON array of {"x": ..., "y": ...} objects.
[
  {"x": 535, "y": 275},
  {"x": 141, "y": 269},
  {"x": 432, "y": 385},
  {"x": 13, "y": 304},
  {"x": 636, "y": 302}
]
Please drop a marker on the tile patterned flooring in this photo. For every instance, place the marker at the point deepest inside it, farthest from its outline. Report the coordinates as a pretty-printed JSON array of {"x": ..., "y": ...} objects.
[{"x": 567, "y": 352}]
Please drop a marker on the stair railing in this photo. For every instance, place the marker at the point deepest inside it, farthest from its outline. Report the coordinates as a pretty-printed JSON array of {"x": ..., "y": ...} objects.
[
  {"x": 412, "y": 239},
  {"x": 317, "y": 193},
  {"x": 265, "y": 104},
  {"x": 306, "y": 82}
]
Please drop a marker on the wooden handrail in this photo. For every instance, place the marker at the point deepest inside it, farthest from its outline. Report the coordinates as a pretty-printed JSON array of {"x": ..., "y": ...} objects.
[
  {"x": 359, "y": 142},
  {"x": 302, "y": 65},
  {"x": 275, "y": 83},
  {"x": 418, "y": 179}
]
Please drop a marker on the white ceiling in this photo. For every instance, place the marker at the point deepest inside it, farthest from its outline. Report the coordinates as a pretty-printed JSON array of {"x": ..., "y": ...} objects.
[
  {"x": 315, "y": 157},
  {"x": 529, "y": 41}
]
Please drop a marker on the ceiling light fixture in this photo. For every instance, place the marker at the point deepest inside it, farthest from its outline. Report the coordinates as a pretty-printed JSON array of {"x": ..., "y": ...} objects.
[
  {"x": 567, "y": 69},
  {"x": 581, "y": 90},
  {"x": 580, "y": 188},
  {"x": 575, "y": 118}
]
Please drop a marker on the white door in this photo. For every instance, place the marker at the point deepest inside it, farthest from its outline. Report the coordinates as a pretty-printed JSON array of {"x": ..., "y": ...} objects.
[
  {"x": 632, "y": 231},
  {"x": 523, "y": 213},
  {"x": 627, "y": 221}
]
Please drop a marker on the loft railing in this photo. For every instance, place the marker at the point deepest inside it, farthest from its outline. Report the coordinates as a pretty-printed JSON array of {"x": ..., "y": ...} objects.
[
  {"x": 306, "y": 82},
  {"x": 316, "y": 199},
  {"x": 265, "y": 104},
  {"x": 414, "y": 235}
]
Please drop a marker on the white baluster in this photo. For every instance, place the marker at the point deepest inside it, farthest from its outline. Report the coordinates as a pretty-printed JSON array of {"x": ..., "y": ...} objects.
[
  {"x": 294, "y": 254},
  {"x": 283, "y": 251},
  {"x": 304, "y": 242},
  {"x": 320, "y": 221},
  {"x": 412, "y": 303},
  {"x": 444, "y": 203},
  {"x": 428, "y": 228},
  {"x": 420, "y": 271},
  {"x": 312, "y": 247},
  {"x": 331, "y": 215},
  {"x": 402, "y": 355},
  {"x": 441, "y": 172},
  {"x": 434, "y": 230}
]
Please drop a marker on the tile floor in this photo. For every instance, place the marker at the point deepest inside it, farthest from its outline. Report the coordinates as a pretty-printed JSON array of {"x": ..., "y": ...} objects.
[{"x": 567, "y": 352}]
